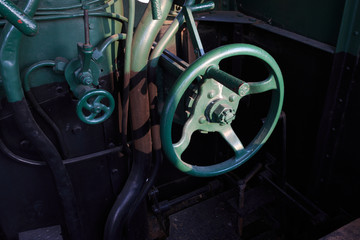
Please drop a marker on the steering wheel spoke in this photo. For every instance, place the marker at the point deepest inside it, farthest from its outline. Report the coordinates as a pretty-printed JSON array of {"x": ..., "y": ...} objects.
[
  {"x": 232, "y": 139},
  {"x": 263, "y": 86},
  {"x": 184, "y": 142}
]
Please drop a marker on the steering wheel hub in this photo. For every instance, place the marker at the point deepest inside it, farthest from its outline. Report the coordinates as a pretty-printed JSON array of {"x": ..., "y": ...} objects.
[{"x": 223, "y": 114}]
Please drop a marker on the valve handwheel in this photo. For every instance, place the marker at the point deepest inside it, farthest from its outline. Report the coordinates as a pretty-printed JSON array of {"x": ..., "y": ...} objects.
[
  {"x": 215, "y": 107},
  {"x": 97, "y": 109}
]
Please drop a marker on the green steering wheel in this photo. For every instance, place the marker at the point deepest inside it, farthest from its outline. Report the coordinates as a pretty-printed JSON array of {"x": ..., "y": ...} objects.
[
  {"x": 96, "y": 110},
  {"x": 215, "y": 107}
]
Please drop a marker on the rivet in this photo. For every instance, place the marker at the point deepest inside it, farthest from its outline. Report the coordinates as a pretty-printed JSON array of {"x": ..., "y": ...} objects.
[{"x": 59, "y": 90}]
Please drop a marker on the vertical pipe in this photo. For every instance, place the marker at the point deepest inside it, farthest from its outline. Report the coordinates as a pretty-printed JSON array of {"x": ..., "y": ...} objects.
[
  {"x": 127, "y": 66},
  {"x": 140, "y": 118}
]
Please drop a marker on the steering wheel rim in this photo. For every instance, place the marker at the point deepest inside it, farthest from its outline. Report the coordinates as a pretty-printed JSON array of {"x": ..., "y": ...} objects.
[
  {"x": 200, "y": 67},
  {"x": 95, "y": 107}
]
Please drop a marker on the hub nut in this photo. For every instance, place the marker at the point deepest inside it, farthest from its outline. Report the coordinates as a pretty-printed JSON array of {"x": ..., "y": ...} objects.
[{"x": 224, "y": 114}]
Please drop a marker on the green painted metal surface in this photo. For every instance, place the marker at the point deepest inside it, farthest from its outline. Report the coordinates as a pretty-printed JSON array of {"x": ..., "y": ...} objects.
[
  {"x": 195, "y": 37},
  {"x": 319, "y": 20},
  {"x": 142, "y": 39},
  {"x": 9, "y": 57},
  {"x": 23, "y": 22},
  {"x": 56, "y": 39},
  {"x": 349, "y": 35},
  {"x": 172, "y": 30},
  {"x": 156, "y": 9},
  {"x": 215, "y": 108}
]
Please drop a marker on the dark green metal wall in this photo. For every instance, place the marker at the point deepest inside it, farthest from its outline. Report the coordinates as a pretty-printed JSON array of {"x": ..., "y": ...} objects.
[{"x": 319, "y": 20}]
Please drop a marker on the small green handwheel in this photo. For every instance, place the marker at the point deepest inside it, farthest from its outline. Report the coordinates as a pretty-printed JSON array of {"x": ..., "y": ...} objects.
[{"x": 95, "y": 106}]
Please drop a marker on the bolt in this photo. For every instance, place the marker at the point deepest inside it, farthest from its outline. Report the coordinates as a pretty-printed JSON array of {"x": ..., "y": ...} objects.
[
  {"x": 211, "y": 94},
  {"x": 232, "y": 98},
  {"x": 59, "y": 90},
  {"x": 86, "y": 78},
  {"x": 102, "y": 82},
  {"x": 202, "y": 120},
  {"x": 76, "y": 130}
]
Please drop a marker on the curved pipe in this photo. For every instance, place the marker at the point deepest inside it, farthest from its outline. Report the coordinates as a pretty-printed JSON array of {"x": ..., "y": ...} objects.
[
  {"x": 170, "y": 33},
  {"x": 139, "y": 104},
  {"x": 36, "y": 105},
  {"x": 9, "y": 61}
]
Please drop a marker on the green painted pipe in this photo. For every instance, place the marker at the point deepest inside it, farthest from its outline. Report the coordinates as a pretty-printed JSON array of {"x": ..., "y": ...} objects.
[
  {"x": 45, "y": 63},
  {"x": 9, "y": 57},
  {"x": 68, "y": 7},
  {"x": 170, "y": 33},
  {"x": 99, "y": 51},
  {"x": 17, "y": 17},
  {"x": 156, "y": 9},
  {"x": 144, "y": 36}
]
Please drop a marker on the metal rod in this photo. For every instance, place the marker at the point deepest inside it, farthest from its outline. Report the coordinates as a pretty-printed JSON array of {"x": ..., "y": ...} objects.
[
  {"x": 86, "y": 27},
  {"x": 20, "y": 159}
]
